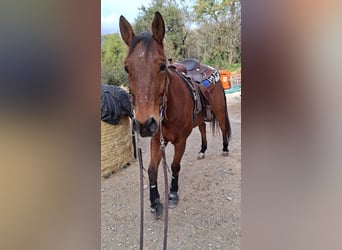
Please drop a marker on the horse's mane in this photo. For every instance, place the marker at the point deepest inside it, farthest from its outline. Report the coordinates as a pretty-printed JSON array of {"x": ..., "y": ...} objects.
[{"x": 144, "y": 37}]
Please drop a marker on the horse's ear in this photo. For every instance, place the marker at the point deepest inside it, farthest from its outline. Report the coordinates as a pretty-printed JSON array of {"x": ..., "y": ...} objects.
[
  {"x": 126, "y": 30},
  {"x": 158, "y": 27}
]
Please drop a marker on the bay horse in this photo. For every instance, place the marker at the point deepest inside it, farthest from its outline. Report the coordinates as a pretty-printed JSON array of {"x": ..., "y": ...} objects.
[{"x": 164, "y": 105}]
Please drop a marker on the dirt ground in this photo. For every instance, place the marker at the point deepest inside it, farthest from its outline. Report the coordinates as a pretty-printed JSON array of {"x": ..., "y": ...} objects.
[{"x": 208, "y": 214}]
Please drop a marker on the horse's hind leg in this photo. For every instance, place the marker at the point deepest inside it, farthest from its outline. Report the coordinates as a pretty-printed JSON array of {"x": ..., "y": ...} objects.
[
  {"x": 219, "y": 107},
  {"x": 223, "y": 126},
  {"x": 202, "y": 129},
  {"x": 225, "y": 129},
  {"x": 156, "y": 206},
  {"x": 175, "y": 167}
]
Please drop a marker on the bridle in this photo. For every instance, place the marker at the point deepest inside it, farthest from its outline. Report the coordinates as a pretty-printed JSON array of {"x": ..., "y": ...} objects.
[{"x": 162, "y": 108}]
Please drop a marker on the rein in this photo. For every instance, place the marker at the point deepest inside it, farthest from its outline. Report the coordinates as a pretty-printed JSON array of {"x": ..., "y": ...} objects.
[{"x": 164, "y": 163}]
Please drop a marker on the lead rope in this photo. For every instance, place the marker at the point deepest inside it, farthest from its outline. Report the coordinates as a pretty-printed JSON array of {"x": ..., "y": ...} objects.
[
  {"x": 141, "y": 169},
  {"x": 162, "y": 148},
  {"x": 165, "y": 168},
  {"x": 138, "y": 153}
]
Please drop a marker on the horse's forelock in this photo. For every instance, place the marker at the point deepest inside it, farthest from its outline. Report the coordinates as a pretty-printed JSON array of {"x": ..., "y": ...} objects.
[{"x": 145, "y": 38}]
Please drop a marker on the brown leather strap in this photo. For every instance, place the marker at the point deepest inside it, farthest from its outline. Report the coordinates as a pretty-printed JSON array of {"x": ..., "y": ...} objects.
[{"x": 141, "y": 168}]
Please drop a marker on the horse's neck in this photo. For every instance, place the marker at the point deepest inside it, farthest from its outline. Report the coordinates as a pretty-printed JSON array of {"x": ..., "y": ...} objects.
[
  {"x": 179, "y": 98},
  {"x": 177, "y": 87}
]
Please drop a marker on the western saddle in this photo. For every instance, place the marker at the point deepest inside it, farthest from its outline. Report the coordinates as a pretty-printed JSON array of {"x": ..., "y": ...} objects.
[{"x": 201, "y": 80}]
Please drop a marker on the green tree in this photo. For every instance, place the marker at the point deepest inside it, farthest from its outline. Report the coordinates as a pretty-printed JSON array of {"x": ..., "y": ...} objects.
[
  {"x": 113, "y": 52},
  {"x": 220, "y": 26},
  {"x": 205, "y": 29},
  {"x": 174, "y": 18}
]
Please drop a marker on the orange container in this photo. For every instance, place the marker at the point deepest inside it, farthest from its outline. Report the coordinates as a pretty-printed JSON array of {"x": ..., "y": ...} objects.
[{"x": 225, "y": 78}]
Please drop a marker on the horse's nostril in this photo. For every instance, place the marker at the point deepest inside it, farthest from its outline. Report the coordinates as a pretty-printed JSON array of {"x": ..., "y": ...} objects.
[
  {"x": 153, "y": 125},
  {"x": 146, "y": 129}
]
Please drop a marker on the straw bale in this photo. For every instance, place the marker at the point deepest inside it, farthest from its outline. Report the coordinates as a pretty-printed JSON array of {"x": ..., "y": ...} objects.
[{"x": 116, "y": 146}]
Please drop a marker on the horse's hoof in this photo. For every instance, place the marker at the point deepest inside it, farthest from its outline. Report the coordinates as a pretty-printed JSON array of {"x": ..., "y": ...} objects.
[
  {"x": 225, "y": 153},
  {"x": 200, "y": 156},
  {"x": 173, "y": 200},
  {"x": 157, "y": 210}
]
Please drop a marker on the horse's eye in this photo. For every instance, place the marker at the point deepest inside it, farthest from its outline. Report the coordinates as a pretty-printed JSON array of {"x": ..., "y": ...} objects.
[
  {"x": 162, "y": 66},
  {"x": 126, "y": 69}
]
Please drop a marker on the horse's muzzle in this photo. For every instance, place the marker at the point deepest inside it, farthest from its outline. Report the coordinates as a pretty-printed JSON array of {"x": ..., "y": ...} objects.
[{"x": 147, "y": 129}]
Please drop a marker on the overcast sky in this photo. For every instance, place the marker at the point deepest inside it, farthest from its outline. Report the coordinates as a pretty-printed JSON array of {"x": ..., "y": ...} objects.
[{"x": 112, "y": 9}]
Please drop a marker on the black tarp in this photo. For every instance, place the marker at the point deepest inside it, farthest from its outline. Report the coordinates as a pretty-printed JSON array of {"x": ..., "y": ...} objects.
[{"x": 115, "y": 102}]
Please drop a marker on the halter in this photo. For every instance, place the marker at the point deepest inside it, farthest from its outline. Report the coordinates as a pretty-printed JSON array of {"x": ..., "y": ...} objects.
[{"x": 162, "y": 108}]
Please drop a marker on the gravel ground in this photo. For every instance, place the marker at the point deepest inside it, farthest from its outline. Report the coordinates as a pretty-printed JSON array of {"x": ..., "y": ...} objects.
[{"x": 208, "y": 214}]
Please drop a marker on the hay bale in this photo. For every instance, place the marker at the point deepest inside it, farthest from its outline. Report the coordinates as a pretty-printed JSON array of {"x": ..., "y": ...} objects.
[{"x": 116, "y": 146}]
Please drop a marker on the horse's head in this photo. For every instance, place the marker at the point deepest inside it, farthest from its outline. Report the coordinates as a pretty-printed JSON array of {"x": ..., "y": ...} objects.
[{"x": 147, "y": 73}]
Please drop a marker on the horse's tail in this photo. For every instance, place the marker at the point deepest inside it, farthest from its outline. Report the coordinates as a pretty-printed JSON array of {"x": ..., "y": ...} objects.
[{"x": 215, "y": 125}]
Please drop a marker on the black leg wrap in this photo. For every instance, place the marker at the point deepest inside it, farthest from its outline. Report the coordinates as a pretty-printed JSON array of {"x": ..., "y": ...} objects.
[
  {"x": 154, "y": 194},
  {"x": 174, "y": 184},
  {"x": 225, "y": 148},
  {"x": 173, "y": 196},
  {"x": 156, "y": 206},
  {"x": 203, "y": 148}
]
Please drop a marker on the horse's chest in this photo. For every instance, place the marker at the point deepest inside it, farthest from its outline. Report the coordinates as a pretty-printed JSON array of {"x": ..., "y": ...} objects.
[{"x": 174, "y": 133}]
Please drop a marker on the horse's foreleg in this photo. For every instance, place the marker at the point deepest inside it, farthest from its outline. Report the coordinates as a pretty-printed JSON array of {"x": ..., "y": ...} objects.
[
  {"x": 175, "y": 167},
  {"x": 202, "y": 130},
  {"x": 156, "y": 206}
]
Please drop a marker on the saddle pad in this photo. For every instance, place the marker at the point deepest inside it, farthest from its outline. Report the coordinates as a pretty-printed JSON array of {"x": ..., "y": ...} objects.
[{"x": 212, "y": 78}]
